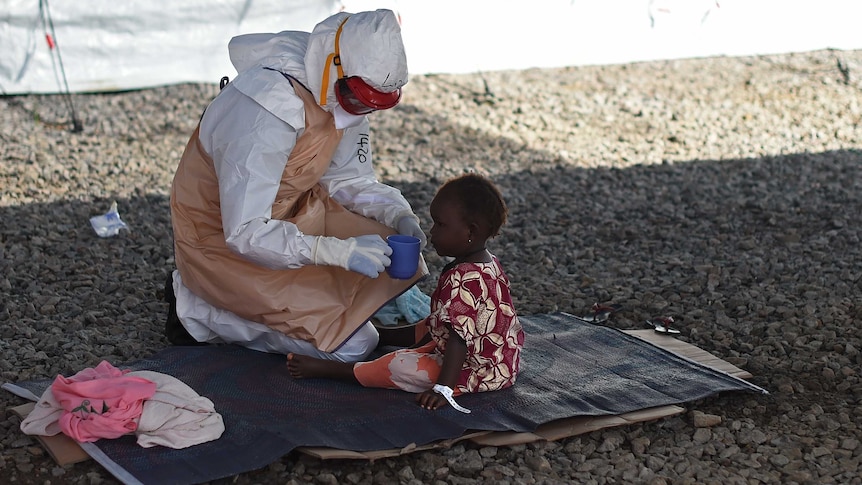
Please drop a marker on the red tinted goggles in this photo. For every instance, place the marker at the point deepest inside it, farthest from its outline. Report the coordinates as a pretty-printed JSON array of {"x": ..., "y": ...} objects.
[{"x": 358, "y": 97}]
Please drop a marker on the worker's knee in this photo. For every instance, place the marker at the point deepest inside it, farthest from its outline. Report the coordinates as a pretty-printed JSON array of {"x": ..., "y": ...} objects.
[{"x": 360, "y": 345}]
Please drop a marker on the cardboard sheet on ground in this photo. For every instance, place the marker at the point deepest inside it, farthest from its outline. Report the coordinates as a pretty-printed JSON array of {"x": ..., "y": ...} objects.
[{"x": 576, "y": 377}]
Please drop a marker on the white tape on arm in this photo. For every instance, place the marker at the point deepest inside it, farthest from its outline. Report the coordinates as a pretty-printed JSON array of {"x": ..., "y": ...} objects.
[{"x": 446, "y": 392}]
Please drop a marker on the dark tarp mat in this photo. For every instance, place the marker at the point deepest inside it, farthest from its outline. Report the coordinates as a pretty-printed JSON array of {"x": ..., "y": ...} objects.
[{"x": 570, "y": 368}]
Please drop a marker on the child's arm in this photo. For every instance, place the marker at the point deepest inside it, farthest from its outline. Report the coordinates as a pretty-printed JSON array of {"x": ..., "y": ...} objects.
[{"x": 453, "y": 362}]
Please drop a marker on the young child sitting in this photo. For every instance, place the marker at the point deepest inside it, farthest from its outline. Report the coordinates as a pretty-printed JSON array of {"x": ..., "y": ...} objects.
[{"x": 472, "y": 340}]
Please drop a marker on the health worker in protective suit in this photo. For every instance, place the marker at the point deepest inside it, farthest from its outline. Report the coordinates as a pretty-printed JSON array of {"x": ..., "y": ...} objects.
[{"x": 279, "y": 222}]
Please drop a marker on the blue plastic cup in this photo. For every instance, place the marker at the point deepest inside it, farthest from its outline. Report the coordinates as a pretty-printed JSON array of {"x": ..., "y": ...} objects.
[{"x": 405, "y": 256}]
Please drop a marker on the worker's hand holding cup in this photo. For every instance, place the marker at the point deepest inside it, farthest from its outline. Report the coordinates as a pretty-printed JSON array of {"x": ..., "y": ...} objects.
[{"x": 405, "y": 256}]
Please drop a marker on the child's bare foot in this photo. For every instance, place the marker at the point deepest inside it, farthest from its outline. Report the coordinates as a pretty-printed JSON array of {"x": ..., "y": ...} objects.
[{"x": 306, "y": 367}]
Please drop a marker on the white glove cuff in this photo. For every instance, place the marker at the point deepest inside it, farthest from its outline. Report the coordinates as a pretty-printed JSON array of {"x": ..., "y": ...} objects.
[
  {"x": 332, "y": 251},
  {"x": 314, "y": 246}
]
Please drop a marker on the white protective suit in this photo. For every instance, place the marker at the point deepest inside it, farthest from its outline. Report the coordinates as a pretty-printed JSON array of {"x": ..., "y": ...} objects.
[{"x": 248, "y": 132}]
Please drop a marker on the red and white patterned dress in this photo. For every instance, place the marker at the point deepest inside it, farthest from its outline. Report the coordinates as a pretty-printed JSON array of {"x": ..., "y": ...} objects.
[{"x": 473, "y": 300}]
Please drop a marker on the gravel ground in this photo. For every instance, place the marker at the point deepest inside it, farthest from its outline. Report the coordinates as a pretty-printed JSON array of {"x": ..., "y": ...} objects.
[{"x": 725, "y": 192}]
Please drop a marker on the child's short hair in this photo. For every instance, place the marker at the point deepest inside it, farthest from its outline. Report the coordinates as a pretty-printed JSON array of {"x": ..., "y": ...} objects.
[{"x": 480, "y": 201}]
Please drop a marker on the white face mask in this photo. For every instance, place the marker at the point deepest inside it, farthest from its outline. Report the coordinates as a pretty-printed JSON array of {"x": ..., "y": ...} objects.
[{"x": 343, "y": 119}]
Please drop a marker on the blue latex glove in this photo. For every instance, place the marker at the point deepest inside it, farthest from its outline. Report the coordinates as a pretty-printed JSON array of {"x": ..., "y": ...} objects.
[{"x": 409, "y": 226}]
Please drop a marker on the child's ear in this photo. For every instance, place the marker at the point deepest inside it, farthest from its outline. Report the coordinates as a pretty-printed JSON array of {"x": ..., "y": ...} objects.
[{"x": 475, "y": 231}]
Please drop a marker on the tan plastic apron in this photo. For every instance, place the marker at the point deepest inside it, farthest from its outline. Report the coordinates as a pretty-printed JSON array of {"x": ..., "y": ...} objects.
[{"x": 323, "y": 305}]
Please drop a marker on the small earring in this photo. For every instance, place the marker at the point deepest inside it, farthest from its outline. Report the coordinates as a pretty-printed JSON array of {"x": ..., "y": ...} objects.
[{"x": 469, "y": 240}]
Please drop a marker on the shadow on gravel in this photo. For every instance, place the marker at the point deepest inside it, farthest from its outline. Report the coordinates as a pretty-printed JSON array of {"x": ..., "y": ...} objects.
[
  {"x": 64, "y": 284},
  {"x": 731, "y": 249}
]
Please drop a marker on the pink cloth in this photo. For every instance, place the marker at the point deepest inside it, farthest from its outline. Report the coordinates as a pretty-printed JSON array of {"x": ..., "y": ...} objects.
[
  {"x": 175, "y": 417},
  {"x": 101, "y": 402}
]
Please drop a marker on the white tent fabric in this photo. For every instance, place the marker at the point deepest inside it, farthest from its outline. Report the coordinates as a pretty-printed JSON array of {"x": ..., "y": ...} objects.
[
  {"x": 110, "y": 45},
  {"x": 482, "y": 35}
]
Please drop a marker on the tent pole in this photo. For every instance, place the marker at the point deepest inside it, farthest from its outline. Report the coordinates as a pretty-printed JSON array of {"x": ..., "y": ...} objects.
[{"x": 51, "y": 38}]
